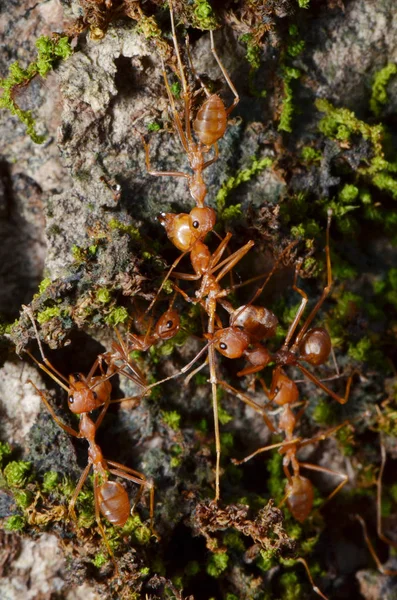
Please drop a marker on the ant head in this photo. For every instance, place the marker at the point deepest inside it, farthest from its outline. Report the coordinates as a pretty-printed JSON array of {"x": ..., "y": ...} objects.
[
  {"x": 231, "y": 342},
  {"x": 283, "y": 390},
  {"x": 202, "y": 220},
  {"x": 81, "y": 398},
  {"x": 168, "y": 325},
  {"x": 179, "y": 230},
  {"x": 315, "y": 346},
  {"x": 258, "y": 321},
  {"x": 300, "y": 497}
]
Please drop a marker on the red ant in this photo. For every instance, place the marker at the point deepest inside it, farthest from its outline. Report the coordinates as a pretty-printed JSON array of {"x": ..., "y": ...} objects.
[
  {"x": 250, "y": 324},
  {"x": 85, "y": 394},
  {"x": 209, "y": 125}
]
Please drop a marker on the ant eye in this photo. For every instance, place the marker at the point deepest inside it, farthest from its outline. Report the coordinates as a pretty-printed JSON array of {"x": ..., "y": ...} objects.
[
  {"x": 95, "y": 395},
  {"x": 222, "y": 346},
  {"x": 196, "y": 224},
  {"x": 76, "y": 376},
  {"x": 169, "y": 324},
  {"x": 71, "y": 399},
  {"x": 276, "y": 390}
]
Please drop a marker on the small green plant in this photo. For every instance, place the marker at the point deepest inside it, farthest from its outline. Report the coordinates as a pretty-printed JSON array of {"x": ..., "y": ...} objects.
[
  {"x": 49, "y": 51},
  {"x": 379, "y": 88}
]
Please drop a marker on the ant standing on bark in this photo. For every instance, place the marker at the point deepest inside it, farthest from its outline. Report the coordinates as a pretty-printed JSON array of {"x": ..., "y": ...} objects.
[{"x": 85, "y": 394}]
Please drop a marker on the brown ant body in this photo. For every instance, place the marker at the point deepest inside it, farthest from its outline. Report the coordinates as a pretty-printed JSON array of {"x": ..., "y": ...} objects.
[
  {"x": 85, "y": 394},
  {"x": 250, "y": 324}
]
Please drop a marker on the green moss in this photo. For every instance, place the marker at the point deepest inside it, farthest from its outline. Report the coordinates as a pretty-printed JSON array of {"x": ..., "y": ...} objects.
[
  {"x": 149, "y": 28},
  {"x": 241, "y": 177},
  {"x": 232, "y": 539},
  {"x": 142, "y": 535},
  {"x": 67, "y": 487},
  {"x": 17, "y": 473},
  {"x": 47, "y": 314},
  {"x": 132, "y": 231},
  {"x": 172, "y": 419},
  {"x": 379, "y": 88},
  {"x": 15, "y": 523},
  {"x": 292, "y": 589},
  {"x": 310, "y": 155},
  {"x": 43, "y": 285},
  {"x": 303, "y": 3},
  {"x": 154, "y": 126},
  {"x": 78, "y": 254},
  {"x": 117, "y": 315},
  {"x": 50, "y": 481},
  {"x": 253, "y": 50},
  {"x": 324, "y": 412},
  {"x": 99, "y": 560},
  {"x": 204, "y": 15},
  {"x": 216, "y": 564},
  {"x": 23, "y": 498},
  {"x": 103, "y": 295},
  {"x": 5, "y": 452},
  {"x": 266, "y": 560},
  {"x": 232, "y": 213},
  {"x": 144, "y": 572},
  {"x": 176, "y": 89},
  {"x": 49, "y": 50},
  {"x": 360, "y": 351},
  {"x": 348, "y": 193},
  {"x": 287, "y": 107}
]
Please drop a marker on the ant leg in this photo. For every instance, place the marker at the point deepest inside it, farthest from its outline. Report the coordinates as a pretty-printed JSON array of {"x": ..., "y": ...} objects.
[
  {"x": 193, "y": 70},
  {"x": 158, "y": 173},
  {"x": 226, "y": 76},
  {"x": 314, "y": 587},
  {"x": 322, "y": 436},
  {"x": 250, "y": 403},
  {"x": 100, "y": 526},
  {"x": 166, "y": 278},
  {"x": 66, "y": 428},
  {"x": 101, "y": 415},
  {"x": 264, "y": 449},
  {"x": 232, "y": 260},
  {"x": 47, "y": 370},
  {"x": 214, "y": 158},
  {"x": 343, "y": 476},
  {"x": 77, "y": 491},
  {"x": 301, "y": 309},
  {"x": 381, "y": 568},
  {"x": 213, "y": 381},
  {"x": 325, "y": 293},
  {"x": 316, "y": 381}
]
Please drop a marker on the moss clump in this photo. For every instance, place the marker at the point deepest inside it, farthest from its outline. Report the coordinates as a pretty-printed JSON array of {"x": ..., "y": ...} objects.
[
  {"x": 49, "y": 50},
  {"x": 132, "y": 231},
  {"x": 5, "y": 452},
  {"x": 15, "y": 523},
  {"x": 43, "y": 285},
  {"x": 50, "y": 481},
  {"x": 103, "y": 295},
  {"x": 99, "y": 560},
  {"x": 216, "y": 564},
  {"x": 241, "y": 177},
  {"x": 23, "y": 498},
  {"x": 117, "y": 315},
  {"x": 310, "y": 155},
  {"x": 47, "y": 314},
  {"x": 379, "y": 88},
  {"x": 154, "y": 126},
  {"x": 287, "y": 107},
  {"x": 204, "y": 17},
  {"x": 172, "y": 418},
  {"x": 17, "y": 473}
]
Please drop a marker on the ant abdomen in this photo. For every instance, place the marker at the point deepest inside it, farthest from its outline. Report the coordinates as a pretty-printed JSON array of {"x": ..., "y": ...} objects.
[
  {"x": 315, "y": 346},
  {"x": 114, "y": 503},
  {"x": 211, "y": 121},
  {"x": 300, "y": 497},
  {"x": 258, "y": 321}
]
